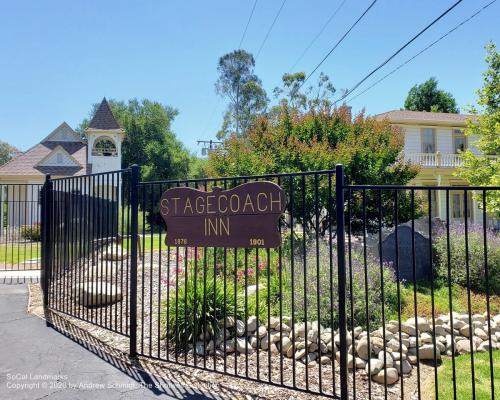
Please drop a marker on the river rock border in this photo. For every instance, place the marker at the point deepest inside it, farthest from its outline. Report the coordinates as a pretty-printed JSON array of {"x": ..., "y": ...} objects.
[{"x": 405, "y": 344}]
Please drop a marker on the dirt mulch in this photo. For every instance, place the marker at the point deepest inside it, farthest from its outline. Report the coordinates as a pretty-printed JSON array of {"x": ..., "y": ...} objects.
[{"x": 116, "y": 345}]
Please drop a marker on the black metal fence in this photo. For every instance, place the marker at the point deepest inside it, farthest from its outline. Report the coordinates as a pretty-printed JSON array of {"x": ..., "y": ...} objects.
[
  {"x": 86, "y": 241},
  {"x": 20, "y": 226},
  {"x": 375, "y": 292}
]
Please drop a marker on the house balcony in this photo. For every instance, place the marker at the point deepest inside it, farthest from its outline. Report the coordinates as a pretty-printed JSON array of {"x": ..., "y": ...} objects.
[{"x": 438, "y": 159}]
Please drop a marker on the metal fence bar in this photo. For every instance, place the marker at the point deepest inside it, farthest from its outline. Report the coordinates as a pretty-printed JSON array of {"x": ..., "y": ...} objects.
[
  {"x": 339, "y": 193},
  {"x": 196, "y": 304},
  {"x": 134, "y": 215}
]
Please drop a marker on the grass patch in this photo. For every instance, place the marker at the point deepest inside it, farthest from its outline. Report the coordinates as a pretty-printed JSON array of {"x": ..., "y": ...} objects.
[
  {"x": 482, "y": 377},
  {"x": 18, "y": 253},
  {"x": 441, "y": 301},
  {"x": 149, "y": 242}
]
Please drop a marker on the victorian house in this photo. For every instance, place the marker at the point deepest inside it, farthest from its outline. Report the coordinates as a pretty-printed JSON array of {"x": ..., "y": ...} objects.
[
  {"x": 63, "y": 153},
  {"x": 435, "y": 142}
]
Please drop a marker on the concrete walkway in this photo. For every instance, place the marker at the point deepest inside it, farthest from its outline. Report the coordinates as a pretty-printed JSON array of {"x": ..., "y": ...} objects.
[
  {"x": 38, "y": 362},
  {"x": 22, "y": 276}
]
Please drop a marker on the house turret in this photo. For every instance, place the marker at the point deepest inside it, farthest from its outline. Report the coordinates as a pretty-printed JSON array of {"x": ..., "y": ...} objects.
[{"x": 104, "y": 140}]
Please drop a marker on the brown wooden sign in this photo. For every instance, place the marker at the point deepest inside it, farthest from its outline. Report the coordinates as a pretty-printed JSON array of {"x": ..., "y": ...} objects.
[{"x": 245, "y": 216}]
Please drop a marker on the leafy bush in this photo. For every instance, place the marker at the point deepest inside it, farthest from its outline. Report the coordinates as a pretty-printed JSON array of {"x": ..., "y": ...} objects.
[
  {"x": 313, "y": 290},
  {"x": 477, "y": 271},
  {"x": 198, "y": 304},
  {"x": 31, "y": 232}
]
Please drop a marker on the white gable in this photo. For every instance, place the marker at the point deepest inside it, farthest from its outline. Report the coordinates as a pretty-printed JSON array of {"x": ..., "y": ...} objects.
[
  {"x": 58, "y": 158},
  {"x": 63, "y": 133}
]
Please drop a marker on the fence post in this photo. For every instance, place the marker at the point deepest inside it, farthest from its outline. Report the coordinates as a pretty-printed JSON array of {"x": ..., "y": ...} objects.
[
  {"x": 134, "y": 215},
  {"x": 339, "y": 195},
  {"x": 46, "y": 258}
]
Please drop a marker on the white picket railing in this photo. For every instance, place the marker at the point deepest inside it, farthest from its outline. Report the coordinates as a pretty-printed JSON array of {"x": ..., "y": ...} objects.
[{"x": 446, "y": 160}]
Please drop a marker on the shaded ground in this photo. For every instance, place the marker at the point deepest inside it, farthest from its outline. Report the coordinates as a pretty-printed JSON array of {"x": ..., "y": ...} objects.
[{"x": 39, "y": 362}]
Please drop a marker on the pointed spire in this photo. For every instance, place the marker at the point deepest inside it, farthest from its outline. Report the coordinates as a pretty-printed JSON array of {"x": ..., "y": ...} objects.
[{"x": 104, "y": 118}]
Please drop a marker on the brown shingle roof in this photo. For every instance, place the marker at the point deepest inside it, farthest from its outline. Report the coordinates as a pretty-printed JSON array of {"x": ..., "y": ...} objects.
[
  {"x": 26, "y": 163},
  {"x": 104, "y": 118},
  {"x": 436, "y": 118}
]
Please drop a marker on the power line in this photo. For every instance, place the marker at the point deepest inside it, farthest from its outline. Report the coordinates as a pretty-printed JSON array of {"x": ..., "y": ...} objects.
[
  {"x": 397, "y": 52},
  {"x": 270, "y": 29},
  {"x": 216, "y": 106},
  {"x": 212, "y": 114},
  {"x": 338, "y": 43},
  {"x": 318, "y": 35},
  {"x": 248, "y": 23},
  {"x": 423, "y": 50}
]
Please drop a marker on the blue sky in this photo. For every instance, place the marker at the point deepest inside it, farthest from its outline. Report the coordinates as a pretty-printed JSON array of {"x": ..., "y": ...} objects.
[{"x": 59, "y": 57}]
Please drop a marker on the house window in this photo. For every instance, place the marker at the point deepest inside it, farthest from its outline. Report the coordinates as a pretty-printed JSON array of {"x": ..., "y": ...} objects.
[
  {"x": 459, "y": 141},
  {"x": 59, "y": 158},
  {"x": 458, "y": 205},
  {"x": 104, "y": 146},
  {"x": 428, "y": 140}
]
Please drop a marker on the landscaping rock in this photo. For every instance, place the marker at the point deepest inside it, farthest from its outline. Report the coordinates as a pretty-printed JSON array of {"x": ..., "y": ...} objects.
[
  {"x": 409, "y": 329},
  {"x": 97, "y": 293},
  {"x": 388, "y": 358},
  {"x": 243, "y": 346},
  {"x": 391, "y": 375},
  {"x": 406, "y": 366},
  {"x": 463, "y": 346},
  {"x": 114, "y": 253},
  {"x": 362, "y": 349},
  {"x": 426, "y": 352},
  {"x": 360, "y": 363},
  {"x": 286, "y": 344},
  {"x": 374, "y": 366},
  {"x": 252, "y": 324},
  {"x": 299, "y": 354},
  {"x": 262, "y": 331},
  {"x": 481, "y": 334},
  {"x": 200, "y": 348},
  {"x": 325, "y": 360},
  {"x": 240, "y": 327},
  {"x": 465, "y": 330}
]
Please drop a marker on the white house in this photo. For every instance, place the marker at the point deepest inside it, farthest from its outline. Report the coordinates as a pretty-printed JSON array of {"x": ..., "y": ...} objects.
[
  {"x": 435, "y": 141},
  {"x": 63, "y": 153}
]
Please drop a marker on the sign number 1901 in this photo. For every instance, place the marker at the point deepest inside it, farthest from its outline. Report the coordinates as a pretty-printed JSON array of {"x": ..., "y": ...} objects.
[{"x": 256, "y": 242}]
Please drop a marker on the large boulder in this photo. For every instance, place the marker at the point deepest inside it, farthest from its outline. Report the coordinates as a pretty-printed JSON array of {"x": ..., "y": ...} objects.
[
  {"x": 391, "y": 375},
  {"x": 96, "y": 293},
  {"x": 426, "y": 352},
  {"x": 114, "y": 253}
]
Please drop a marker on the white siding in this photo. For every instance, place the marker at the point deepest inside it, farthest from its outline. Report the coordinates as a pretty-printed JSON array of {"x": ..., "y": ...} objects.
[
  {"x": 444, "y": 140},
  {"x": 412, "y": 140},
  {"x": 104, "y": 163}
]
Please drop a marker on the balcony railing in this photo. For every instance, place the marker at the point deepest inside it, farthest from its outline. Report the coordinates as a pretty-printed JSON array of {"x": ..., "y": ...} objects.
[{"x": 438, "y": 159}]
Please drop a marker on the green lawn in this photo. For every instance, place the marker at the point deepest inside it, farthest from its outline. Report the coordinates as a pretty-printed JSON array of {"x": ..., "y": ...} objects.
[
  {"x": 441, "y": 301},
  {"x": 149, "y": 242},
  {"x": 464, "y": 377},
  {"x": 18, "y": 253}
]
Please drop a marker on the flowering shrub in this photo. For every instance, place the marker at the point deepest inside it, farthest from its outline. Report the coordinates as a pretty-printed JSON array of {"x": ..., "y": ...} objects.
[
  {"x": 311, "y": 291},
  {"x": 31, "y": 232},
  {"x": 475, "y": 252}
]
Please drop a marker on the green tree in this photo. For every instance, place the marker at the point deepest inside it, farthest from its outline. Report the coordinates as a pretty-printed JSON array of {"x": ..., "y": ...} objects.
[
  {"x": 314, "y": 96},
  {"x": 238, "y": 83},
  {"x": 481, "y": 170},
  {"x": 287, "y": 139},
  {"x": 6, "y": 152},
  {"x": 149, "y": 140},
  {"x": 427, "y": 97}
]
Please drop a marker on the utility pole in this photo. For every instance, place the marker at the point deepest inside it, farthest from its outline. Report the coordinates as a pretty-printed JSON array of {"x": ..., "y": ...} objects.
[{"x": 209, "y": 146}]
